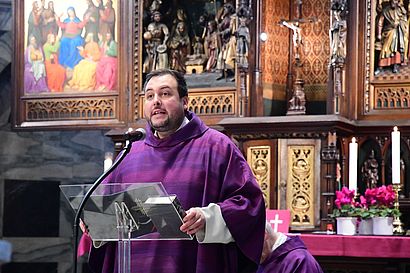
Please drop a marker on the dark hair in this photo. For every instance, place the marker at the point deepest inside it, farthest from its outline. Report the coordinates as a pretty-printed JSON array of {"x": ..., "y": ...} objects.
[{"x": 178, "y": 76}]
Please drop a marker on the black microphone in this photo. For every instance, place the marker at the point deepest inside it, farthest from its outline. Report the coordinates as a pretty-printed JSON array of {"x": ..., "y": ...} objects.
[{"x": 135, "y": 135}]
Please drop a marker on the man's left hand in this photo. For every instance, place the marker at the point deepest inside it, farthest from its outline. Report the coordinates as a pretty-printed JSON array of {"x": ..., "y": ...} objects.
[{"x": 193, "y": 221}]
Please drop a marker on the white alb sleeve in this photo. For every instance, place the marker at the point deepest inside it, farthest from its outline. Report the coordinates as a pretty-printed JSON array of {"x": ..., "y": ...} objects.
[{"x": 216, "y": 230}]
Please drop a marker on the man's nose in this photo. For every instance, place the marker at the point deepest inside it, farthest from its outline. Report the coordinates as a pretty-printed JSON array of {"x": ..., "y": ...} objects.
[{"x": 157, "y": 100}]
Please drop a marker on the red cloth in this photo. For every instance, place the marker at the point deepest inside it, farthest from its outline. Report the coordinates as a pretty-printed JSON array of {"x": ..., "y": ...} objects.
[
  {"x": 358, "y": 246},
  {"x": 84, "y": 246}
]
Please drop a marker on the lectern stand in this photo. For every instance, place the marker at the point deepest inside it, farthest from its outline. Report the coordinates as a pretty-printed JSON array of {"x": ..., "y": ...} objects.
[{"x": 125, "y": 212}]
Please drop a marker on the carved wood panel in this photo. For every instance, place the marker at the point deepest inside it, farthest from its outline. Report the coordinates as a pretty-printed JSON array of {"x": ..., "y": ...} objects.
[
  {"x": 258, "y": 158},
  {"x": 299, "y": 181},
  {"x": 69, "y": 109}
]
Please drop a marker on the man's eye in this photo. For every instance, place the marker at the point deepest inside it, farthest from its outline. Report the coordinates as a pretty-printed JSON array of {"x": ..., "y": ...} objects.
[
  {"x": 165, "y": 94},
  {"x": 149, "y": 96}
]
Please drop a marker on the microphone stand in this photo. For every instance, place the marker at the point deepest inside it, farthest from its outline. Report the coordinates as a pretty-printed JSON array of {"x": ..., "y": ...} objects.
[{"x": 125, "y": 151}]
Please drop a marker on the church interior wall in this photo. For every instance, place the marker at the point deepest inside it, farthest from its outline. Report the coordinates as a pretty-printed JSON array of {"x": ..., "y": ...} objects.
[{"x": 275, "y": 55}]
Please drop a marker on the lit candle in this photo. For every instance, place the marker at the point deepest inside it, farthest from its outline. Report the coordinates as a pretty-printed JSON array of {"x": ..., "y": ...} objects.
[
  {"x": 395, "y": 155},
  {"x": 353, "y": 148}
]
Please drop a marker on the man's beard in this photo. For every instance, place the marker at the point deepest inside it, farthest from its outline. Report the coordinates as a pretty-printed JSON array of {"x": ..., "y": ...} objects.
[
  {"x": 161, "y": 126},
  {"x": 166, "y": 125}
]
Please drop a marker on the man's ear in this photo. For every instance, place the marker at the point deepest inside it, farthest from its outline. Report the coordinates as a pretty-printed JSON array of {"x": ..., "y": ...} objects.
[{"x": 185, "y": 101}]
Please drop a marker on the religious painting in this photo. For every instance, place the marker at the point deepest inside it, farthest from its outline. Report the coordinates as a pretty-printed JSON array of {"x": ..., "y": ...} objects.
[
  {"x": 70, "y": 46},
  {"x": 196, "y": 39},
  {"x": 68, "y": 59}
]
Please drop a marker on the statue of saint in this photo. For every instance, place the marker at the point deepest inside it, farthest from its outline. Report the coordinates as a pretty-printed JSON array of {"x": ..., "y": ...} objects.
[
  {"x": 156, "y": 36},
  {"x": 392, "y": 36},
  {"x": 370, "y": 171},
  {"x": 180, "y": 47}
]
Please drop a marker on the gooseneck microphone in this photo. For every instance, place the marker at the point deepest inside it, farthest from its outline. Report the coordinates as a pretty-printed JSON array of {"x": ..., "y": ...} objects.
[
  {"x": 130, "y": 136},
  {"x": 135, "y": 135}
]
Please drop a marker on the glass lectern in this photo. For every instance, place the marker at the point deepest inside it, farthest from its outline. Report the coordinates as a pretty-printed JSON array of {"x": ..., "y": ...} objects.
[{"x": 124, "y": 212}]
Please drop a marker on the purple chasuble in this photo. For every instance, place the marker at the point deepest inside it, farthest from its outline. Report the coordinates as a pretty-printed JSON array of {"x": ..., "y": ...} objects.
[
  {"x": 201, "y": 166},
  {"x": 290, "y": 257}
]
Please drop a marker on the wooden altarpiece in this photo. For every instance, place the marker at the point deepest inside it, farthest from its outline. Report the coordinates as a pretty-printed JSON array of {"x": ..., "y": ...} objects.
[
  {"x": 74, "y": 104},
  {"x": 363, "y": 101}
]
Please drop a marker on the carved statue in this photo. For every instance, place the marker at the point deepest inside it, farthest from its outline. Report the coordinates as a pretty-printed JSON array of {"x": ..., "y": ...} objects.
[
  {"x": 392, "y": 36},
  {"x": 227, "y": 29},
  {"x": 157, "y": 35},
  {"x": 180, "y": 16},
  {"x": 296, "y": 37},
  {"x": 370, "y": 171},
  {"x": 338, "y": 31},
  {"x": 298, "y": 101},
  {"x": 212, "y": 45},
  {"x": 180, "y": 47},
  {"x": 243, "y": 39},
  {"x": 155, "y": 5}
]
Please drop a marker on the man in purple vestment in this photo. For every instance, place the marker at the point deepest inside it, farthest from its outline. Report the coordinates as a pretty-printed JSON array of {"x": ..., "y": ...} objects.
[
  {"x": 210, "y": 177},
  {"x": 282, "y": 254}
]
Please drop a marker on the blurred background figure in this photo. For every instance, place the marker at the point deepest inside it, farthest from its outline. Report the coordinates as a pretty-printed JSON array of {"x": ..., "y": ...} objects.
[
  {"x": 5, "y": 252},
  {"x": 283, "y": 254}
]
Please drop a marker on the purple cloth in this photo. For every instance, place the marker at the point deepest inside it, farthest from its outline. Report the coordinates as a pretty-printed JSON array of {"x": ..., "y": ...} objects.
[
  {"x": 31, "y": 85},
  {"x": 201, "y": 166},
  {"x": 290, "y": 257}
]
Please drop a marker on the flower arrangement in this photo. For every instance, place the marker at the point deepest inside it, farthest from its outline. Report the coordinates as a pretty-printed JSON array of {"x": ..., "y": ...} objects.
[
  {"x": 346, "y": 206},
  {"x": 378, "y": 202}
]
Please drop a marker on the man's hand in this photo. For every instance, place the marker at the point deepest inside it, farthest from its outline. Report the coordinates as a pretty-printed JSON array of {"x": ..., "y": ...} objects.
[{"x": 193, "y": 221}]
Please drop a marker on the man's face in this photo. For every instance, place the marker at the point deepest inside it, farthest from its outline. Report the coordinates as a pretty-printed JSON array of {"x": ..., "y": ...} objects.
[{"x": 163, "y": 108}]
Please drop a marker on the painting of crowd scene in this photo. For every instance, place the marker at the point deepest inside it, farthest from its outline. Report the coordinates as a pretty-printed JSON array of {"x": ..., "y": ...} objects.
[
  {"x": 70, "y": 46},
  {"x": 199, "y": 39}
]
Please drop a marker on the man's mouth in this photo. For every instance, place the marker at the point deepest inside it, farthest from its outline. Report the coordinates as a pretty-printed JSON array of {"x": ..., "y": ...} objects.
[{"x": 158, "y": 112}]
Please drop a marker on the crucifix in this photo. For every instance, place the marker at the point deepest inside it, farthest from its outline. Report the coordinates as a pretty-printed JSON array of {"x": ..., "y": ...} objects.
[{"x": 297, "y": 101}]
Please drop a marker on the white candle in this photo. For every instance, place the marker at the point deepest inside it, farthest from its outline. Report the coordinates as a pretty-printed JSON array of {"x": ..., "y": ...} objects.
[
  {"x": 353, "y": 148},
  {"x": 395, "y": 155}
]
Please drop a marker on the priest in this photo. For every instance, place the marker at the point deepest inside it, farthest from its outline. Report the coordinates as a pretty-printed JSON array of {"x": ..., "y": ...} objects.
[
  {"x": 212, "y": 180},
  {"x": 283, "y": 254}
]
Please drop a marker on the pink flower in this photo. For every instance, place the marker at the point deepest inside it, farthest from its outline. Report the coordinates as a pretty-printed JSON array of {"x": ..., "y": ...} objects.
[
  {"x": 381, "y": 196},
  {"x": 363, "y": 202},
  {"x": 344, "y": 197}
]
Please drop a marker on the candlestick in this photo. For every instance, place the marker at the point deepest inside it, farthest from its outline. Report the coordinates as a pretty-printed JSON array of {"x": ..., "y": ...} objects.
[
  {"x": 395, "y": 155},
  {"x": 353, "y": 148},
  {"x": 397, "y": 224}
]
